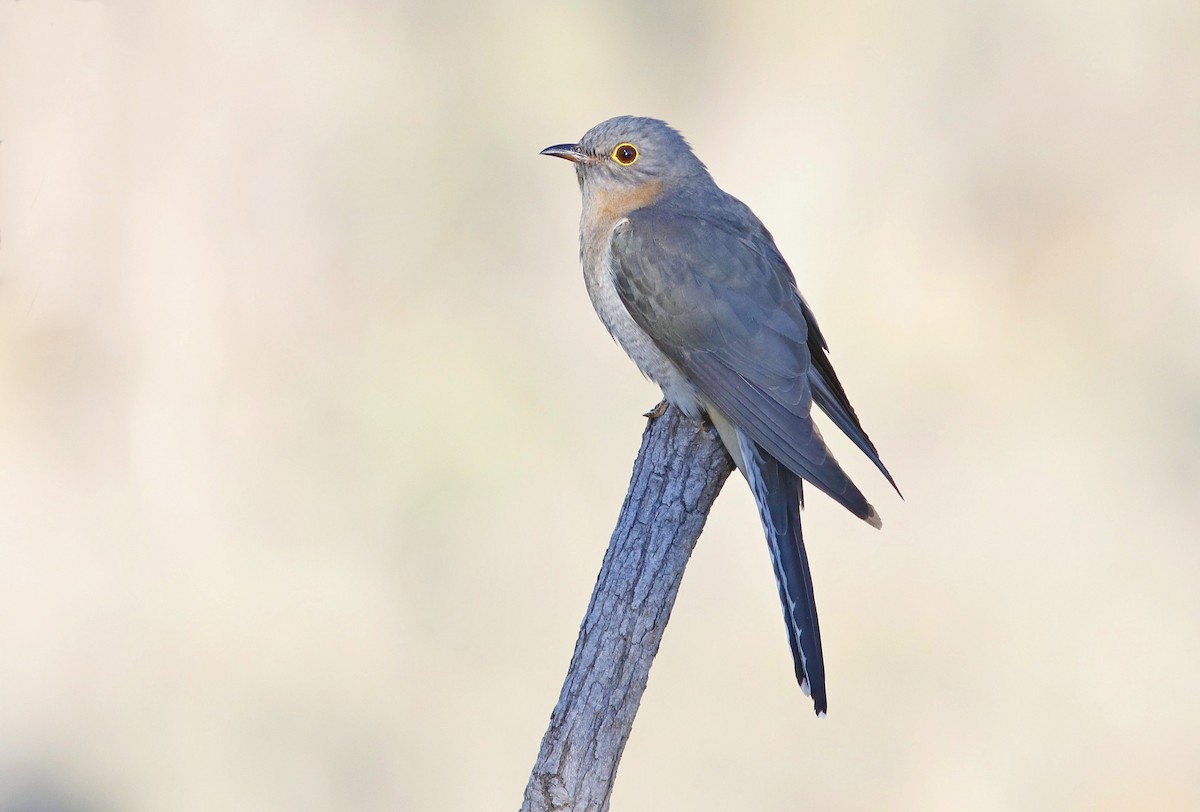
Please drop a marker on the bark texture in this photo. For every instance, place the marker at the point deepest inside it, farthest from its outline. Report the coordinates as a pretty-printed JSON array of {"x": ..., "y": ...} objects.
[{"x": 679, "y": 471}]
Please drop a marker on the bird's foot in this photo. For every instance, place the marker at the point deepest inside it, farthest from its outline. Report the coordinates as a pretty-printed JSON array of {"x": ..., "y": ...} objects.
[{"x": 658, "y": 411}]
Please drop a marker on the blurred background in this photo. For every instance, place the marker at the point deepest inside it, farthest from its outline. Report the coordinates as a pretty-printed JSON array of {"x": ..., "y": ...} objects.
[{"x": 311, "y": 444}]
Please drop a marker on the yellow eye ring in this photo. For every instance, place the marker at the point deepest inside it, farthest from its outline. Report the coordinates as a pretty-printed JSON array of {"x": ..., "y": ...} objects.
[{"x": 625, "y": 154}]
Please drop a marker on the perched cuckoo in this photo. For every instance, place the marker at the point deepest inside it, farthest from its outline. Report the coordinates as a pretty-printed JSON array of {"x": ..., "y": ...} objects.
[{"x": 691, "y": 285}]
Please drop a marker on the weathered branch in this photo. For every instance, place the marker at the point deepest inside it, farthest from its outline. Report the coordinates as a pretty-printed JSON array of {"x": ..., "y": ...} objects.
[{"x": 679, "y": 471}]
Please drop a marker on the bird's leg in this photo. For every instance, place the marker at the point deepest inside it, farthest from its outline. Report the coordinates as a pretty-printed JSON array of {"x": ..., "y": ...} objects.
[{"x": 658, "y": 411}]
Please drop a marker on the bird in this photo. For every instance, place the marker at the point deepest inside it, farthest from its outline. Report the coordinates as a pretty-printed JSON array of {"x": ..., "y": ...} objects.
[{"x": 691, "y": 285}]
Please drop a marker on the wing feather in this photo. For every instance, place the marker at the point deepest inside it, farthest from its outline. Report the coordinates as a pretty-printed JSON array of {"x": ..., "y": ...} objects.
[{"x": 721, "y": 303}]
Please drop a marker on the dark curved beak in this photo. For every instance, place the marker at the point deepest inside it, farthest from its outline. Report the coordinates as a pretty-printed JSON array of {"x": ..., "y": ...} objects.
[{"x": 568, "y": 152}]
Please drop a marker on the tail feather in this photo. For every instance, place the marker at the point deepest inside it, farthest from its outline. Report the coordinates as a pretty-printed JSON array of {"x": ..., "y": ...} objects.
[{"x": 777, "y": 493}]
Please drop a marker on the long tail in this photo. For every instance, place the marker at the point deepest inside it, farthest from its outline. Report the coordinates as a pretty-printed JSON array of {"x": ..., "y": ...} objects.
[{"x": 777, "y": 493}]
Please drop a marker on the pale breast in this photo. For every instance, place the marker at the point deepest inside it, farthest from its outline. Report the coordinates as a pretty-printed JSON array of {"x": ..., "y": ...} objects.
[{"x": 595, "y": 254}]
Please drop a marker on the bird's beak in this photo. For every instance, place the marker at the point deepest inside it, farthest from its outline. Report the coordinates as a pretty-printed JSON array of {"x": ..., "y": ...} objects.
[{"x": 568, "y": 152}]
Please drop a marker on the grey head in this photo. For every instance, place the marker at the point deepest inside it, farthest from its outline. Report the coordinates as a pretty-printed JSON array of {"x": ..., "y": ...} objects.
[{"x": 627, "y": 152}]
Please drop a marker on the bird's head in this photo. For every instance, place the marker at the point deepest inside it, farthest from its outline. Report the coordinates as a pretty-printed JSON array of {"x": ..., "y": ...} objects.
[{"x": 628, "y": 153}]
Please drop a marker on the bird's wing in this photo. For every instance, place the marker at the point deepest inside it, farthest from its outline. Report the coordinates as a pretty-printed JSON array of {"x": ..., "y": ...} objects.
[
  {"x": 721, "y": 303},
  {"x": 831, "y": 397}
]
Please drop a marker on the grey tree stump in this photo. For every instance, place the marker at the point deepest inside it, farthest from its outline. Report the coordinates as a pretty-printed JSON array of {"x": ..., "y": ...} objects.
[{"x": 679, "y": 471}]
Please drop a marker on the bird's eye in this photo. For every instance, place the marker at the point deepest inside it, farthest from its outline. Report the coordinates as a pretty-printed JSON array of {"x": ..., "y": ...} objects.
[{"x": 625, "y": 154}]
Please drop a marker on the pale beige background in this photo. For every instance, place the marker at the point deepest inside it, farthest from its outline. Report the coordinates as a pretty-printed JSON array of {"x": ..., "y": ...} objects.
[{"x": 310, "y": 443}]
